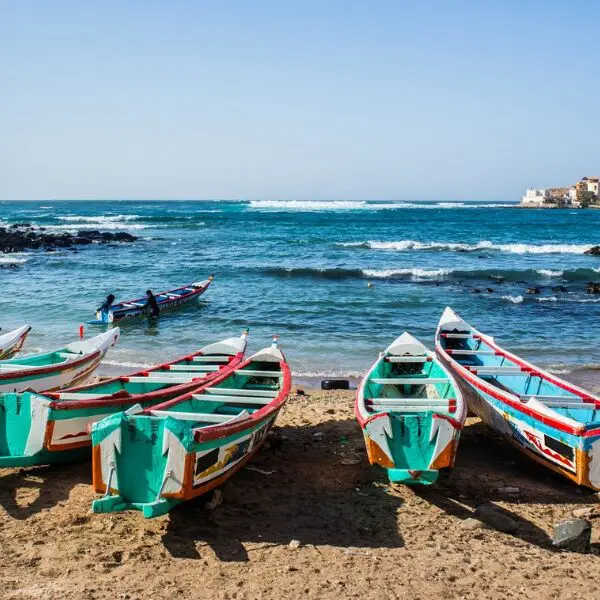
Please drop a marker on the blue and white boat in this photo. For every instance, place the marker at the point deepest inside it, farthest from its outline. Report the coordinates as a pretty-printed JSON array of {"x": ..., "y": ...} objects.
[{"x": 552, "y": 421}]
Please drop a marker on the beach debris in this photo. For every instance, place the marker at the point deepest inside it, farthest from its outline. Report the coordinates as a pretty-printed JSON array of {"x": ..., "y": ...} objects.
[
  {"x": 261, "y": 471},
  {"x": 471, "y": 524},
  {"x": 300, "y": 392},
  {"x": 587, "y": 511},
  {"x": 318, "y": 435},
  {"x": 509, "y": 490},
  {"x": 495, "y": 519},
  {"x": 216, "y": 500},
  {"x": 335, "y": 384},
  {"x": 294, "y": 545},
  {"x": 351, "y": 460},
  {"x": 573, "y": 535}
]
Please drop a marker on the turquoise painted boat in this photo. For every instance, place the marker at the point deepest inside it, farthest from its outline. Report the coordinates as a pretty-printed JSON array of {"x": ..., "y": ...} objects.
[
  {"x": 36, "y": 429},
  {"x": 550, "y": 420},
  {"x": 151, "y": 460},
  {"x": 411, "y": 412},
  {"x": 58, "y": 369},
  {"x": 12, "y": 342}
]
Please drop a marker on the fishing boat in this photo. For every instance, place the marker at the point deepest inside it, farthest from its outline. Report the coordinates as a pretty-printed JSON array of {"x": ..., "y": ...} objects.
[
  {"x": 12, "y": 342},
  {"x": 165, "y": 300},
  {"x": 57, "y": 369},
  {"x": 41, "y": 429},
  {"x": 151, "y": 460},
  {"x": 550, "y": 420},
  {"x": 411, "y": 413}
]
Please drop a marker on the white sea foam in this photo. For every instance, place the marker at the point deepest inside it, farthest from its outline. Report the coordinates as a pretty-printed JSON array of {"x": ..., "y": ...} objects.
[
  {"x": 314, "y": 205},
  {"x": 403, "y": 245},
  {"x": 548, "y": 299},
  {"x": 514, "y": 299},
  {"x": 128, "y": 364},
  {"x": 100, "y": 219},
  {"x": 12, "y": 260},
  {"x": 415, "y": 272},
  {"x": 106, "y": 225},
  {"x": 550, "y": 273}
]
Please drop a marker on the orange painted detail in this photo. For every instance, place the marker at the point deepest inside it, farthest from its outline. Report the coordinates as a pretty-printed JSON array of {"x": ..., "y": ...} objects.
[
  {"x": 376, "y": 455},
  {"x": 445, "y": 458}
]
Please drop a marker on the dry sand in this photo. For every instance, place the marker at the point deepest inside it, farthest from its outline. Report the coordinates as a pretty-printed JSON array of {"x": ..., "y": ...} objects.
[{"x": 358, "y": 536}]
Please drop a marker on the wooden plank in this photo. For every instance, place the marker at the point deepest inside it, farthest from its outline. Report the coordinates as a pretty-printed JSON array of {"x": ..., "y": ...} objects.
[
  {"x": 255, "y": 373},
  {"x": 408, "y": 359},
  {"x": 216, "y": 359},
  {"x": 543, "y": 398},
  {"x": 200, "y": 417},
  {"x": 234, "y": 399},
  {"x": 458, "y": 336},
  {"x": 171, "y": 380},
  {"x": 80, "y": 396},
  {"x": 413, "y": 401},
  {"x": 394, "y": 408},
  {"x": 198, "y": 368},
  {"x": 497, "y": 370},
  {"x": 472, "y": 352},
  {"x": 411, "y": 380},
  {"x": 242, "y": 392}
]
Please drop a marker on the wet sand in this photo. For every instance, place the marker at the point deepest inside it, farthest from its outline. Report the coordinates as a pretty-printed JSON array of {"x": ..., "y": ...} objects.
[{"x": 314, "y": 521}]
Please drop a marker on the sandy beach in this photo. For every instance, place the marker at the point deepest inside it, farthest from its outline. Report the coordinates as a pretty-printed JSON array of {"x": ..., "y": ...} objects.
[{"x": 308, "y": 518}]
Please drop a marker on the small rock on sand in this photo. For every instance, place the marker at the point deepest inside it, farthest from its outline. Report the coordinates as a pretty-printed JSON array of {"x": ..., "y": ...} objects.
[
  {"x": 294, "y": 544},
  {"x": 471, "y": 524},
  {"x": 495, "y": 519},
  {"x": 573, "y": 535}
]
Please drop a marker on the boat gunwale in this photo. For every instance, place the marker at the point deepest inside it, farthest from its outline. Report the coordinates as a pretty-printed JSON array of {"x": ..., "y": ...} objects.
[{"x": 511, "y": 399}]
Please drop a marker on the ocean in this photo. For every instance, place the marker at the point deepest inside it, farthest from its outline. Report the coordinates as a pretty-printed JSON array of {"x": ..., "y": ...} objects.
[{"x": 301, "y": 269}]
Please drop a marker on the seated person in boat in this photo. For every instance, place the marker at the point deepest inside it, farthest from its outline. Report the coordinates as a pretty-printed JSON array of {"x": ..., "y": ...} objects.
[{"x": 151, "y": 307}]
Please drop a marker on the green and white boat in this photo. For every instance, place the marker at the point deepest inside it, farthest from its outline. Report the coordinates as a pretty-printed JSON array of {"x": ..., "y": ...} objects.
[
  {"x": 58, "y": 369},
  {"x": 36, "y": 429},
  {"x": 411, "y": 412},
  {"x": 151, "y": 460}
]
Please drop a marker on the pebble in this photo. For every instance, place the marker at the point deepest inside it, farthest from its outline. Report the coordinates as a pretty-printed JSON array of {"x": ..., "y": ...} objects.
[
  {"x": 495, "y": 519},
  {"x": 587, "y": 511},
  {"x": 294, "y": 544},
  {"x": 351, "y": 460},
  {"x": 509, "y": 490},
  {"x": 471, "y": 524}
]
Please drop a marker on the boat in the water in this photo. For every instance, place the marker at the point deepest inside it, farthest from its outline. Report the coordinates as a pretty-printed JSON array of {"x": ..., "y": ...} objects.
[
  {"x": 41, "y": 429},
  {"x": 138, "y": 306},
  {"x": 550, "y": 420},
  {"x": 57, "y": 369},
  {"x": 154, "y": 459},
  {"x": 411, "y": 413},
  {"x": 12, "y": 342}
]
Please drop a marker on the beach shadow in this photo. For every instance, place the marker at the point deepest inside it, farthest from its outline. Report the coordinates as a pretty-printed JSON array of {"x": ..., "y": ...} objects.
[
  {"x": 310, "y": 496},
  {"x": 49, "y": 484},
  {"x": 487, "y": 467}
]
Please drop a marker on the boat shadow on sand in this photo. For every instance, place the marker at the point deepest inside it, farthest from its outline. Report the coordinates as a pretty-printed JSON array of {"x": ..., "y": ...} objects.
[
  {"x": 491, "y": 472},
  {"x": 317, "y": 489},
  {"x": 27, "y": 491}
]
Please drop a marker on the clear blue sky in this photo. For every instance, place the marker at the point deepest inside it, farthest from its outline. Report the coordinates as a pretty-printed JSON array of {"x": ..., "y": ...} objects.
[{"x": 307, "y": 99}]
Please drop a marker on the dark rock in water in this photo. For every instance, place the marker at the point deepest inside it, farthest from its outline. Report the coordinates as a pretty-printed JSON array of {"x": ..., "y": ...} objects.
[
  {"x": 521, "y": 282},
  {"x": 495, "y": 519},
  {"x": 592, "y": 288},
  {"x": 475, "y": 291},
  {"x": 560, "y": 288},
  {"x": 594, "y": 251},
  {"x": 533, "y": 290},
  {"x": 496, "y": 278},
  {"x": 489, "y": 290},
  {"x": 573, "y": 535},
  {"x": 21, "y": 236}
]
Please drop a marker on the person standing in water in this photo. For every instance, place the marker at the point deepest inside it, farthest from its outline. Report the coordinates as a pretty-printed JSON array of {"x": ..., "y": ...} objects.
[
  {"x": 151, "y": 304},
  {"x": 103, "y": 312}
]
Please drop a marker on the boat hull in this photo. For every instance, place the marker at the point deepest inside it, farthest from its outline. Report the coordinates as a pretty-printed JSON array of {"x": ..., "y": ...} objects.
[{"x": 11, "y": 344}]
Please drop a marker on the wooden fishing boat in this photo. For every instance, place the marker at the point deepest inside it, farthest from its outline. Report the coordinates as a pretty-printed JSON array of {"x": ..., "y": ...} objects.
[
  {"x": 550, "y": 420},
  {"x": 411, "y": 413},
  {"x": 58, "y": 369},
  {"x": 165, "y": 300},
  {"x": 151, "y": 460},
  {"x": 12, "y": 342},
  {"x": 36, "y": 429}
]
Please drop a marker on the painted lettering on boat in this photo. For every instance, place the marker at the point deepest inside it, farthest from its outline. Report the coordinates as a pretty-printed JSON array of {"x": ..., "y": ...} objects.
[{"x": 211, "y": 463}]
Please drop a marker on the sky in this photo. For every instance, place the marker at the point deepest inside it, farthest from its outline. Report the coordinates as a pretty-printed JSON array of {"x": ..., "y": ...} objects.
[{"x": 320, "y": 99}]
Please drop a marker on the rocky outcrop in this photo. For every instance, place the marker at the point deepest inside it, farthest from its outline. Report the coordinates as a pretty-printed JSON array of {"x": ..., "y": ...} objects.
[
  {"x": 24, "y": 236},
  {"x": 594, "y": 251},
  {"x": 592, "y": 288}
]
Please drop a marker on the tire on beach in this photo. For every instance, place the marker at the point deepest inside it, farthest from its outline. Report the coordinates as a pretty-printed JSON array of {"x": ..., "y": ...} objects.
[{"x": 335, "y": 384}]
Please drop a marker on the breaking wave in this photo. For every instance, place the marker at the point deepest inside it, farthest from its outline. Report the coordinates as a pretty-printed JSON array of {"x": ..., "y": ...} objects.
[
  {"x": 316, "y": 205},
  {"x": 416, "y": 273},
  {"x": 405, "y": 245},
  {"x": 12, "y": 260},
  {"x": 513, "y": 299}
]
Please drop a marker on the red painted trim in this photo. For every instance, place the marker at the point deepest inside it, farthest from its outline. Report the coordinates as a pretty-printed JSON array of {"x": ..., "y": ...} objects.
[
  {"x": 456, "y": 424},
  {"x": 118, "y": 399}
]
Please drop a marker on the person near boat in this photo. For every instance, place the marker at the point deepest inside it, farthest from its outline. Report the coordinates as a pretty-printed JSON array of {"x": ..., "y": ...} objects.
[
  {"x": 151, "y": 304},
  {"x": 103, "y": 312}
]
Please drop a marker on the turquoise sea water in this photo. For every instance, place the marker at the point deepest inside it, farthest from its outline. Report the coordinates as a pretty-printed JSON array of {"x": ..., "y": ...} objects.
[{"x": 300, "y": 269}]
